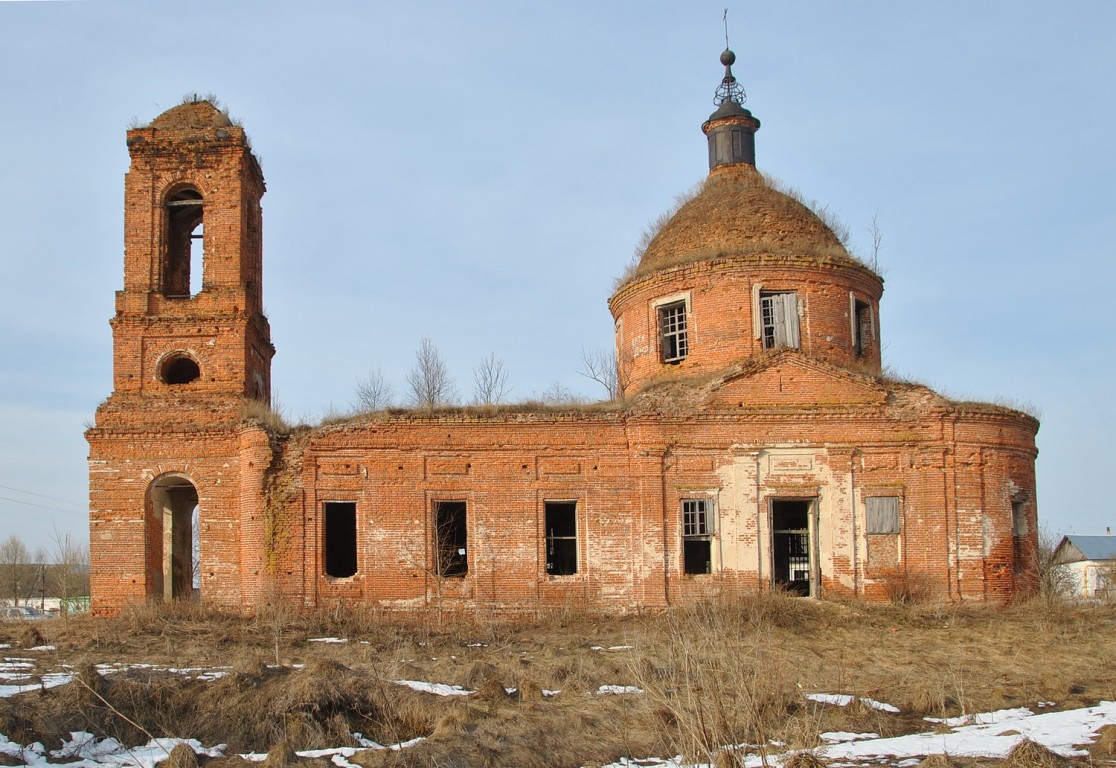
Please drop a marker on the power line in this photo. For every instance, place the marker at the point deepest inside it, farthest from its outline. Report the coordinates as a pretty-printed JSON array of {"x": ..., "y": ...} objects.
[
  {"x": 40, "y": 495},
  {"x": 42, "y": 506}
]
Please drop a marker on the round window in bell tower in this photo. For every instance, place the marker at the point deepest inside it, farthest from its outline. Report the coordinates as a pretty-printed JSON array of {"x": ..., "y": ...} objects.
[{"x": 179, "y": 368}]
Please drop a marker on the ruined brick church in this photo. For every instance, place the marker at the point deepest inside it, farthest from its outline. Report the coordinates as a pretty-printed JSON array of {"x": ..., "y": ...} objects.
[{"x": 756, "y": 444}]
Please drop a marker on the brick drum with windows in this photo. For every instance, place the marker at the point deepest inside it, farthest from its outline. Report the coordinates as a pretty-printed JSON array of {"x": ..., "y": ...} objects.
[{"x": 757, "y": 443}]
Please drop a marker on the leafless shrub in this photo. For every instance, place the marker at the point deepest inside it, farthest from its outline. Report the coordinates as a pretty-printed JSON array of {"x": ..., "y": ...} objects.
[
  {"x": 1055, "y": 580},
  {"x": 373, "y": 392},
  {"x": 558, "y": 395},
  {"x": 904, "y": 587},
  {"x": 429, "y": 382},
  {"x": 490, "y": 381}
]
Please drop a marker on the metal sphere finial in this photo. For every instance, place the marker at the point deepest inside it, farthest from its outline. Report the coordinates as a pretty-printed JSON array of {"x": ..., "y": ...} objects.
[{"x": 729, "y": 89}]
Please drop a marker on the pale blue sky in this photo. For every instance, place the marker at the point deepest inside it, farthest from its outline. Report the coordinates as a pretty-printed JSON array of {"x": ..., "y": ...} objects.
[{"x": 479, "y": 172}]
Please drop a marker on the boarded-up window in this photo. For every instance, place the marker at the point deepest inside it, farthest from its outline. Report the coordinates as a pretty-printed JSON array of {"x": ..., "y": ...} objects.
[
  {"x": 673, "y": 343},
  {"x": 883, "y": 514},
  {"x": 697, "y": 533},
  {"x": 1018, "y": 519},
  {"x": 561, "y": 538},
  {"x": 340, "y": 538},
  {"x": 779, "y": 320}
]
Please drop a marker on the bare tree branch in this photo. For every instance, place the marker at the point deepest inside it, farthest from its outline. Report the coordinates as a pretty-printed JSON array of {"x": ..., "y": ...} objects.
[
  {"x": 429, "y": 380},
  {"x": 490, "y": 381},
  {"x": 17, "y": 574},
  {"x": 373, "y": 392},
  {"x": 603, "y": 368},
  {"x": 877, "y": 238},
  {"x": 560, "y": 395}
]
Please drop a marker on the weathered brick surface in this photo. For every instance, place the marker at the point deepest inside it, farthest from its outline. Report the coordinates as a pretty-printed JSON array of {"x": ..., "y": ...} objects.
[{"x": 734, "y": 424}]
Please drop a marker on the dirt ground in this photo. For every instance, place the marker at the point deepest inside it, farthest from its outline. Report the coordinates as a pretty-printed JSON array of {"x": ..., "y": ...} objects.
[{"x": 729, "y": 672}]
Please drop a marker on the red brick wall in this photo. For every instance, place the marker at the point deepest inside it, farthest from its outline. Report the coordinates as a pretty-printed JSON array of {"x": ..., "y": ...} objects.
[
  {"x": 720, "y": 324},
  {"x": 628, "y": 475}
]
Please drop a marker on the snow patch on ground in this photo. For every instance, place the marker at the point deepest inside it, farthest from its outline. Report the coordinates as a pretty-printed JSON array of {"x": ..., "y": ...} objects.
[
  {"x": 49, "y": 680},
  {"x": 981, "y": 718},
  {"x": 843, "y": 700},
  {"x": 838, "y": 737},
  {"x": 617, "y": 689},
  {"x": 438, "y": 689},
  {"x": 993, "y": 735}
]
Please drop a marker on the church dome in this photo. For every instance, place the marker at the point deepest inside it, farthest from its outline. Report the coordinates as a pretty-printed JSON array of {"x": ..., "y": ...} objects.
[
  {"x": 192, "y": 115},
  {"x": 740, "y": 270},
  {"x": 737, "y": 213}
]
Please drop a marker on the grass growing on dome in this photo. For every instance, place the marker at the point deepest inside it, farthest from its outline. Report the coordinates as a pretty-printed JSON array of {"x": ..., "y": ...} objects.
[
  {"x": 841, "y": 254},
  {"x": 651, "y": 231},
  {"x": 836, "y": 225}
]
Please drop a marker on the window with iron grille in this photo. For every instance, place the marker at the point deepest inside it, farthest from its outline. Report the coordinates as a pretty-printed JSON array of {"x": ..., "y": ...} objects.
[
  {"x": 697, "y": 535},
  {"x": 673, "y": 345}
]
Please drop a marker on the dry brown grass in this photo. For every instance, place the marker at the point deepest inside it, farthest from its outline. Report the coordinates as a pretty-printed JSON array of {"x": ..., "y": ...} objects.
[
  {"x": 1031, "y": 754},
  {"x": 729, "y": 671}
]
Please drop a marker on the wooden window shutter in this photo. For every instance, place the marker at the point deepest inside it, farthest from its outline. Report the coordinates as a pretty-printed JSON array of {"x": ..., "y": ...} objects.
[{"x": 882, "y": 513}]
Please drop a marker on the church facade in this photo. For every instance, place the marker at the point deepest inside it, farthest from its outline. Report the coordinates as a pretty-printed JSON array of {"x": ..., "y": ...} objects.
[{"x": 756, "y": 443}]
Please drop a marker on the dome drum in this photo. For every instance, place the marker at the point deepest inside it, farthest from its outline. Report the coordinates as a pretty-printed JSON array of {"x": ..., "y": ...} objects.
[{"x": 701, "y": 318}]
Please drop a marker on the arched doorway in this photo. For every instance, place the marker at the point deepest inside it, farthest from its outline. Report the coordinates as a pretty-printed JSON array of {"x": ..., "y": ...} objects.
[{"x": 173, "y": 538}]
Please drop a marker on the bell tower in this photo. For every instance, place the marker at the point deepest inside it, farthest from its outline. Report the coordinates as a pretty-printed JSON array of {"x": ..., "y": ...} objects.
[
  {"x": 189, "y": 320},
  {"x": 175, "y": 468}
]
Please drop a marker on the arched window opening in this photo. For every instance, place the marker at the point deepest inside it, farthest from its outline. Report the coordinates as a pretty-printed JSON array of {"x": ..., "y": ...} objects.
[
  {"x": 175, "y": 539},
  {"x": 197, "y": 252},
  {"x": 183, "y": 257},
  {"x": 180, "y": 369}
]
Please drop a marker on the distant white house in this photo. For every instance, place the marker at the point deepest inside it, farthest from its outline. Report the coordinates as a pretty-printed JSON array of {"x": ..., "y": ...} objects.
[{"x": 1092, "y": 562}]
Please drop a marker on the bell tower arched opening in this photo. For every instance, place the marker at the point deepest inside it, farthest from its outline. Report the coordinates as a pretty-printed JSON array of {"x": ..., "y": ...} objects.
[
  {"x": 183, "y": 254},
  {"x": 173, "y": 539}
]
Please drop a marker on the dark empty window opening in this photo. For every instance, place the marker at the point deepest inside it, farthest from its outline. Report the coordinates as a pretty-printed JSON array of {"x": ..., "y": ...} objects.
[
  {"x": 673, "y": 344},
  {"x": 779, "y": 320},
  {"x": 182, "y": 258},
  {"x": 340, "y": 539},
  {"x": 180, "y": 369},
  {"x": 561, "y": 538},
  {"x": 882, "y": 513},
  {"x": 697, "y": 536},
  {"x": 862, "y": 324},
  {"x": 450, "y": 539}
]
